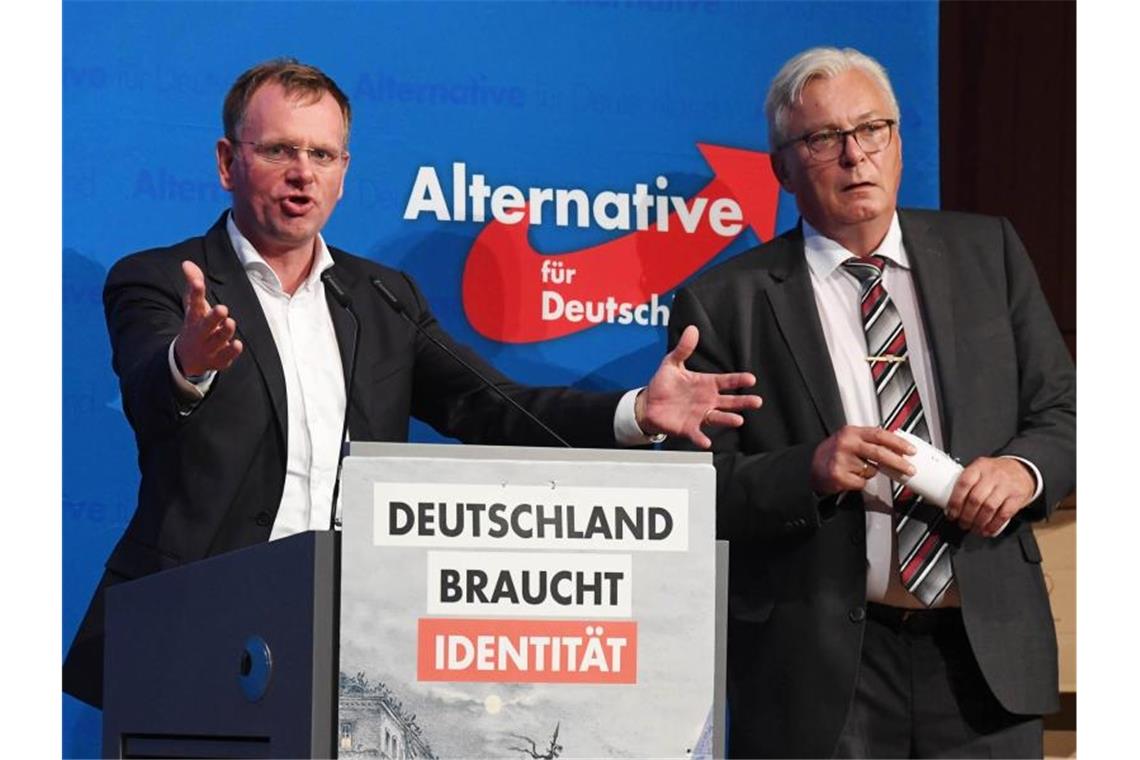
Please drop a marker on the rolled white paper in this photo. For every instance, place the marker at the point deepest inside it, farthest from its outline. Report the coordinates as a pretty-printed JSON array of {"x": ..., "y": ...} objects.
[{"x": 935, "y": 472}]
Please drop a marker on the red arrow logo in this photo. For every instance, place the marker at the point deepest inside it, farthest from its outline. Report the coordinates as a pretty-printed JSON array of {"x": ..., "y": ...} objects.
[{"x": 503, "y": 288}]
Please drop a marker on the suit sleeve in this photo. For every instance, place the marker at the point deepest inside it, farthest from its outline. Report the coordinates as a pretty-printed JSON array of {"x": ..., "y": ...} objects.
[
  {"x": 143, "y": 307},
  {"x": 455, "y": 402},
  {"x": 1047, "y": 412},
  {"x": 762, "y": 492}
]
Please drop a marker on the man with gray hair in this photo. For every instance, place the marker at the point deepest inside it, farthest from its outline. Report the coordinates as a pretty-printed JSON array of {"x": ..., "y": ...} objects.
[{"x": 863, "y": 621}]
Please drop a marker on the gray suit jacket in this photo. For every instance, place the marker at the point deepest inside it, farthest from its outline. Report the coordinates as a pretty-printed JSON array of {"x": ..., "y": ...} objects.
[{"x": 1006, "y": 385}]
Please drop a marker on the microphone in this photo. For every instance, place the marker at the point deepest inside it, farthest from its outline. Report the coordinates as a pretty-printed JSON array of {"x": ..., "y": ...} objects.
[
  {"x": 394, "y": 302},
  {"x": 341, "y": 297}
]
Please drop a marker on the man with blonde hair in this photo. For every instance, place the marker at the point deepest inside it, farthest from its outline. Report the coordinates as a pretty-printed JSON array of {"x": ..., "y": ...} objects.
[{"x": 863, "y": 621}]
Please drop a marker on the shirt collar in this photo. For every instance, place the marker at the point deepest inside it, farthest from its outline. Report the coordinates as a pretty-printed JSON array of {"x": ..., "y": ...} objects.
[
  {"x": 255, "y": 265},
  {"x": 824, "y": 255}
]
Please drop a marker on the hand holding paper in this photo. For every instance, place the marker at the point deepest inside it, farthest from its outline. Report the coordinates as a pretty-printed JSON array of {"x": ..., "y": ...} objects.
[
  {"x": 851, "y": 456},
  {"x": 982, "y": 497},
  {"x": 989, "y": 492}
]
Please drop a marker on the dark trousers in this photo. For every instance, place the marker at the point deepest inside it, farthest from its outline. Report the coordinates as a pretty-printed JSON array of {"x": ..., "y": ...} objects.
[{"x": 920, "y": 693}]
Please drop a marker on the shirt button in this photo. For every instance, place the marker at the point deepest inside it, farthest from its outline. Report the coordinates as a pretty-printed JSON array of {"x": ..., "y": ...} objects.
[
  {"x": 857, "y": 614},
  {"x": 263, "y": 518}
]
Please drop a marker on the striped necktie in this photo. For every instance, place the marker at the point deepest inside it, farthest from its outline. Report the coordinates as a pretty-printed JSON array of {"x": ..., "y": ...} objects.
[{"x": 924, "y": 537}]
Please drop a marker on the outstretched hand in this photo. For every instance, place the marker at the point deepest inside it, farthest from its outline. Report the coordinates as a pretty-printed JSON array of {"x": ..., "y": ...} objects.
[
  {"x": 206, "y": 341},
  {"x": 679, "y": 402}
]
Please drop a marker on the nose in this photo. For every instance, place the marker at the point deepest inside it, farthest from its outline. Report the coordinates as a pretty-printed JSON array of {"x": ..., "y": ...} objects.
[
  {"x": 852, "y": 153},
  {"x": 300, "y": 171}
]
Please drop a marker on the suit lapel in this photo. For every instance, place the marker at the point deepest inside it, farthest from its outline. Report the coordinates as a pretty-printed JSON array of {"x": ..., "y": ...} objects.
[
  {"x": 228, "y": 284},
  {"x": 933, "y": 278},
  {"x": 792, "y": 300},
  {"x": 354, "y": 378},
  {"x": 342, "y": 321}
]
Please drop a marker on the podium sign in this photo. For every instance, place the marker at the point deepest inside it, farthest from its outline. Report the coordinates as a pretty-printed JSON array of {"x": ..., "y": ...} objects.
[{"x": 536, "y": 603}]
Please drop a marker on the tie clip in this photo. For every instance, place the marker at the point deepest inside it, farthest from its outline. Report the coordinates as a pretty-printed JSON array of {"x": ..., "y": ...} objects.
[{"x": 889, "y": 358}]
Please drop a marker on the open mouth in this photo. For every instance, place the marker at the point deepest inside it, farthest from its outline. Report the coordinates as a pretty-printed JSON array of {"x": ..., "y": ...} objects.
[
  {"x": 858, "y": 186},
  {"x": 296, "y": 205}
]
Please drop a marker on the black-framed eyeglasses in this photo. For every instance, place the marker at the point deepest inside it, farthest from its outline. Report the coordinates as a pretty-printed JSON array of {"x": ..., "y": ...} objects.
[
  {"x": 284, "y": 153},
  {"x": 826, "y": 144}
]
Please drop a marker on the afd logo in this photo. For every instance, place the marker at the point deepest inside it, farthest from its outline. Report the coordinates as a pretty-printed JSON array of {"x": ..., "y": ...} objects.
[{"x": 515, "y": 294}]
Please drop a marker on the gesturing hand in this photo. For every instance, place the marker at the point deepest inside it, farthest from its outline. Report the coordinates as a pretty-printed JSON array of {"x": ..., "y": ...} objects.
[
  {"x": 852, "y": 455},
  {"x": 678, "y": 401},
  {"x": 206, "y": 340}
]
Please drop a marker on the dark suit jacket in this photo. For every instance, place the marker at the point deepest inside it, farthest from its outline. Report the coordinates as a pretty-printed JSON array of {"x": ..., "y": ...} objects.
[
  {"x": 212, "y": 480},
  {"x": 797, "y": 584}
]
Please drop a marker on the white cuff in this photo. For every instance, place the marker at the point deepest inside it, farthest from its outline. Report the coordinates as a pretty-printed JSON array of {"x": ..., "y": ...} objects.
[
  {"x": 191, "y": 392},
  {"x": 626, "y": 430},
  {"x": 1036, "y": 475}
]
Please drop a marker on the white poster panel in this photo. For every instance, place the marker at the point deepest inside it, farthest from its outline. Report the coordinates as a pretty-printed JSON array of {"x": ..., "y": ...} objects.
[{"x": 509, "y": 602}]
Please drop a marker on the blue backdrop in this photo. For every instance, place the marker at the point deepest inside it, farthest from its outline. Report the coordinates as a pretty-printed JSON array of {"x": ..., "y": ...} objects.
[{"x": 598, "y": 96}]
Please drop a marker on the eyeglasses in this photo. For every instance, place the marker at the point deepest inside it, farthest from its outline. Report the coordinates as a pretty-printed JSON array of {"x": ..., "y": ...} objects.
[
  {"x": 284, "y": 153},
  {"x": 827, "y": 144}
]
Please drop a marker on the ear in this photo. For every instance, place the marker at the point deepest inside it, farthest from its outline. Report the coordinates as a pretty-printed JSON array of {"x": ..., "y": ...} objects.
[
  {"x": 224, "y": 152},
  {"x": 780, "y": 169}
]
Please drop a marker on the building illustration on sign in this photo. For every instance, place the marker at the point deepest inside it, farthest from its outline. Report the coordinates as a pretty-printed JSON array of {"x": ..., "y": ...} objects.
[{"x": 373, "y": 723}]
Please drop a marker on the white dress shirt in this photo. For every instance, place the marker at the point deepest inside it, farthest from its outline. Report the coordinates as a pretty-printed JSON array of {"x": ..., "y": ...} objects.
[
  {"x": 314, "y": 385},
  {"x": 306, "y": 342},
  {"x": 837, "y": 298}
]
